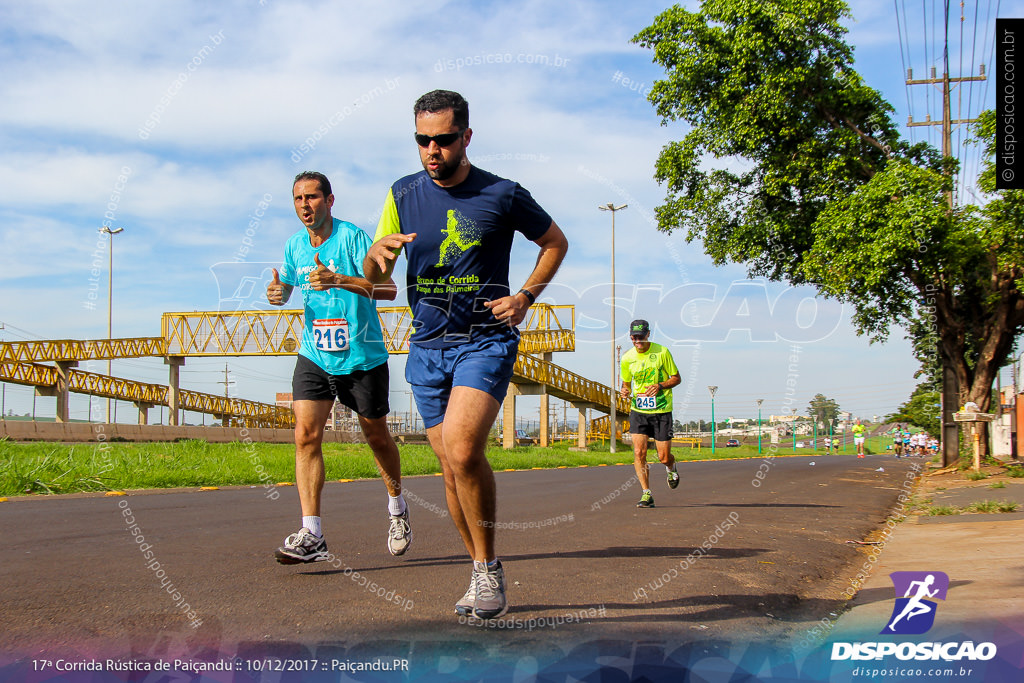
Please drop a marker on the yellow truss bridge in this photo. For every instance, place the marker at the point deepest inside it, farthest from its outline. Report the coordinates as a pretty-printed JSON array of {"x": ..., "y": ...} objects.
[{"x": 547, "y": 329}]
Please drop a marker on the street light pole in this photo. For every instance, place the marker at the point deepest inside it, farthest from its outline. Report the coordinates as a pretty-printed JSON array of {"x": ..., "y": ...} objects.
[
  {"x": 713, "y": 390},
  {"x": 110, "y": 294},
  {"x": 794, "y": 429},
  {"x": 612, "y": 418},
  {"x": 759, "y": 402}
]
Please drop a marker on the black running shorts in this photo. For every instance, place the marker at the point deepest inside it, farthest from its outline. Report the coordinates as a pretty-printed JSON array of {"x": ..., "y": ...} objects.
[
  {"x": 364, "y": 391},
  {"x": 656, "y": 425}
]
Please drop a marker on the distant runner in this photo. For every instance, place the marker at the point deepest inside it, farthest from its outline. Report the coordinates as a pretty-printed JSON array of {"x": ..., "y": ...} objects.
[
  {"x": 858, "y": 438},
  {"x": 648, "y": 375}
]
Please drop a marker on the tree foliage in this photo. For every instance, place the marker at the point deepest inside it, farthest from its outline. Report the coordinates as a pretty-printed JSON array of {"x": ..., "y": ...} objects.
[
  {"x": 795, "y": 167},
  {"x": 824, "y": 411},
  {"x": 921, "y": 410}
]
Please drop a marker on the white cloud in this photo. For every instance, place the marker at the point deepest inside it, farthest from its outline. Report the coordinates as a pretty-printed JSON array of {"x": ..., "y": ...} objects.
[{"x": 82, "y": 78}]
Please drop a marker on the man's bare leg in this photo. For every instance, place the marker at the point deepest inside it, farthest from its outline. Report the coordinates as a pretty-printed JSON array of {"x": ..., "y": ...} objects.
[
  {"x": 310, "y": 419},
  {"x": 308, "y": 545}
]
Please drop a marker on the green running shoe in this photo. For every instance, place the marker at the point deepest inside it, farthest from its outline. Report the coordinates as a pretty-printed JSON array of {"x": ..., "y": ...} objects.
[{"x": 646, "y": 500}]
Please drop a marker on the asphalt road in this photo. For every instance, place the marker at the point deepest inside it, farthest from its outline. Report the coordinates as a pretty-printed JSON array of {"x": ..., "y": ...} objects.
[{"x": 583, "y": 565}]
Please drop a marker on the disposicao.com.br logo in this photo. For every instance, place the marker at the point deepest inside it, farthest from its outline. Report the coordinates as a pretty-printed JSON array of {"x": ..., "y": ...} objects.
[{"x": 914, "y": 614}]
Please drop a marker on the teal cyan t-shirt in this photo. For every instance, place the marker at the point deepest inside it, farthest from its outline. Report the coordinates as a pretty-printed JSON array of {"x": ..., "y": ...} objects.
[{"x": 341, "y": 331}]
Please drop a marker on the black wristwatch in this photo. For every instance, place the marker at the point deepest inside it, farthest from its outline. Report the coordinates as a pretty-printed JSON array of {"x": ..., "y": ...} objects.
[{"x": 529, "y": 296}]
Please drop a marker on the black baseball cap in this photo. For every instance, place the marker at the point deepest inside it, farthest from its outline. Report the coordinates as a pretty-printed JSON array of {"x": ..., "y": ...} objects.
[{"x": 639, "y": 328}]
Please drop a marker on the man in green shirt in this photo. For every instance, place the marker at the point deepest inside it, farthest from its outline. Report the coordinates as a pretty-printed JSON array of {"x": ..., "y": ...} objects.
[
  {"x": 648, "y": 375},
  {"x": 858, "y": 438}
]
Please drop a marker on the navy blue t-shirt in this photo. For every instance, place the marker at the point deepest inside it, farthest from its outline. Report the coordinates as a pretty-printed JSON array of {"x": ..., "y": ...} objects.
[{"x": 460, "y": 256}]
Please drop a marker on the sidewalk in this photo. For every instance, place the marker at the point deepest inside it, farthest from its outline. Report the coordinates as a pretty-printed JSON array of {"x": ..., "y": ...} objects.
[{"x": 982, "y": 553}]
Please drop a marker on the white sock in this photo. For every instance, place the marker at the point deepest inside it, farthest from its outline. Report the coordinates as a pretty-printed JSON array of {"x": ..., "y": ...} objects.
[
  {"x": 670, "y": 469},
  {"x": 313, "y": 524},
  {"x": 396, "y": 504}
]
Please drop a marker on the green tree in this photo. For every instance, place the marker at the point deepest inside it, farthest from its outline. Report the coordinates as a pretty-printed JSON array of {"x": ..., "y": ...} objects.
[
  {"x": 824, "y": 411},
  {"x": 794, "y": 166},
  {"x": 921, "y": 410}
]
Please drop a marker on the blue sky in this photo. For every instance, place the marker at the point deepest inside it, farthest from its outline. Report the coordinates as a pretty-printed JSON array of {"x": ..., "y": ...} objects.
[{"x": 185, "y": 122}]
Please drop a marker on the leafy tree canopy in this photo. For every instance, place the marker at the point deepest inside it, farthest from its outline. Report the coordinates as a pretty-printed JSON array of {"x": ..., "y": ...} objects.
[
  {"x": 793, "y": 166},
  {"x": 823, "y": 410}
]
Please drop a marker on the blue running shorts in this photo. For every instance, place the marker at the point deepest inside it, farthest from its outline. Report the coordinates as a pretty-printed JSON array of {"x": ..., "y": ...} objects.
[{"x": 484, "y": 363}]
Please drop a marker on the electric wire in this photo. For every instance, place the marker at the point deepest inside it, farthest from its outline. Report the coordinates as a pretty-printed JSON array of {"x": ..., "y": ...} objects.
[
  {"x": 928, "y": 65},
  {"x": 903, "y": 63}
]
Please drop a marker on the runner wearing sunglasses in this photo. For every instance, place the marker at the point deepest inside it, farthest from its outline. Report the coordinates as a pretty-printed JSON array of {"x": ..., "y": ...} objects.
[
  {"x": 648, "y": 375},
  {"x": 456, "y": 223}
]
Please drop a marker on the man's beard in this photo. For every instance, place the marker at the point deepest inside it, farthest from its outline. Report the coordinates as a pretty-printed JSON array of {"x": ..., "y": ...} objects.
[{"x": 445, "y": 169}]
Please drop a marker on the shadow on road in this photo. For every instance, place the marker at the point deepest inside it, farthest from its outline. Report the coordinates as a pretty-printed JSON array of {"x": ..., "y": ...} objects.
[
  {"x": 784, "y": 607},
  {"x": 613, "y": 552}
]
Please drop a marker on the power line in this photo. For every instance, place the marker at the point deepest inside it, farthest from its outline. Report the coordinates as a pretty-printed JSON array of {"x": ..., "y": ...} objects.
[
  {"x": 903, "y": 61},
  {"x": 974, "y": 155},
  {"x": 927, "y": 62},
  {"x": 946, "y": 121}
]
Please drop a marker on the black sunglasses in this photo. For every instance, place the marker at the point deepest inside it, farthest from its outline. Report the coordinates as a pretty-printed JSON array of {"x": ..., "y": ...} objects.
[{"x": 442, "y": 140}]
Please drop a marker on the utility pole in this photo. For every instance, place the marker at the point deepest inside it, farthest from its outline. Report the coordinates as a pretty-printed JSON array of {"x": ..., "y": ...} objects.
[
  {"x": 226, "y": 382},
  {"x": 950, "y": 399}
]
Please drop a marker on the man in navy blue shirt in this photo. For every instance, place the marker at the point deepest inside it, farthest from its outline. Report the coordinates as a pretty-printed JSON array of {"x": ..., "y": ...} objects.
[{"x": 456, "y": 224}]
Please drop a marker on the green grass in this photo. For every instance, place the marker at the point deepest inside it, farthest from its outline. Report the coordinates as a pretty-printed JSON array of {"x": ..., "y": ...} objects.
[
  {"x": 916, "y": 503},
  {"x": 48, "y": 468},
  {"x": 993, "y": 506},
  {"x": 61, "y": 468},
  {"x": 997, "y": 485},
  {"x": 979, "y": 506},
  {"x": 976, "y": 475},
  {"x": 1015, "y": 472}
]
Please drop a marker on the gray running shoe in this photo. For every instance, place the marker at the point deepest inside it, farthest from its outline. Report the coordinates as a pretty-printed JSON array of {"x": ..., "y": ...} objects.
[
  {"x": 301, "y": 547},
  {"x": 489, "y": 582},
  {"x": 399, "y": 533},
  {"x": 464, "y": 607},
  {"x": 673, "y": 479}
]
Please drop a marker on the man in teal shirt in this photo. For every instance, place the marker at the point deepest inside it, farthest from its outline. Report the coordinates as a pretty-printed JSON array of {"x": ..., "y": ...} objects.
[
  {"x": 648, "y": 375},
  {"x": 342, "y": 355}
]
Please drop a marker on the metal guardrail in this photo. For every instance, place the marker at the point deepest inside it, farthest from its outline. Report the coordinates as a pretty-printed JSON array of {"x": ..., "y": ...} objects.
[
  {"x": 547, "y": 328},
  {"x": 252, "y": 413},
  {"x": 277, "y": 332},
  {"x": 564, "y": 383},
  {"x": 73, "y": 349}
]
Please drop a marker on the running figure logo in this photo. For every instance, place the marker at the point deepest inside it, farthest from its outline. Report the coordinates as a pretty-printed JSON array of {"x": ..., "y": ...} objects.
[
  {"x": 913, "y": 614},
  {"x": 460, "y": 233}
]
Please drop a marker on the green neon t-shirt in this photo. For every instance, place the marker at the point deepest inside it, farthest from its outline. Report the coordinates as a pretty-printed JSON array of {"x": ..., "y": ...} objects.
[{"x": 645, "y": 369}]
